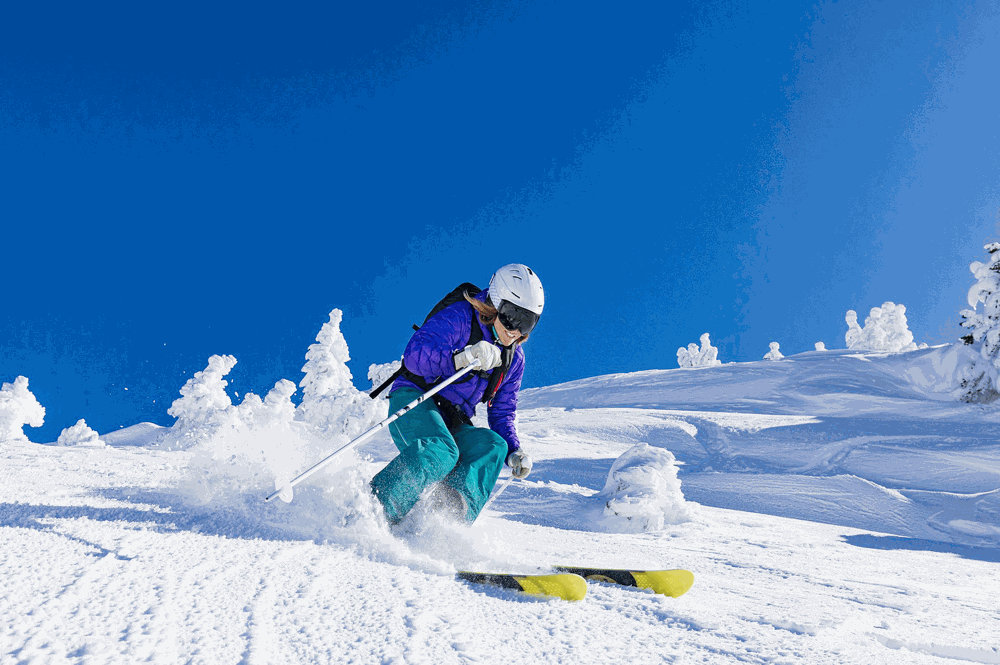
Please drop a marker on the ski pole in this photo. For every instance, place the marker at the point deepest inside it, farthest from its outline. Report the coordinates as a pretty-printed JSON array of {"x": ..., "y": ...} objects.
[
  {"x": 285, "y": 491},
  {"x": 493, "y": 497}
]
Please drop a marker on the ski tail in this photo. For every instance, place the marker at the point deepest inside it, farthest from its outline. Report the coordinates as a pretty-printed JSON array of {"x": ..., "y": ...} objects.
[
  {"x": 671, "y": 583},
  {"x": 567, "y": 586}
]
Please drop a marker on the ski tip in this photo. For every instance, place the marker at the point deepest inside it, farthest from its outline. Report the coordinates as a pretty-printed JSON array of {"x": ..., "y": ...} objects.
[{"x": 673, "y": 583}]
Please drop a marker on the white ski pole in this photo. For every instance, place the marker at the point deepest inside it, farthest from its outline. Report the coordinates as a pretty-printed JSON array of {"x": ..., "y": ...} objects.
[
  {"x": 284, "y": 492},
  {"x": 498, "y": 492}
]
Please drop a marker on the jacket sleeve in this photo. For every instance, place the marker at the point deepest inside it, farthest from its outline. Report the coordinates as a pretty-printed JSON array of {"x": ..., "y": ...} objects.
[
  {"x": 501, "y": 414},
  {"x": 430, "y": 351}
]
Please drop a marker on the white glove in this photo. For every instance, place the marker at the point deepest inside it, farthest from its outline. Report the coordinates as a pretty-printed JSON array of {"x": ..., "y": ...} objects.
[
  {"x": 520, "y": 464},
  {"x": 487, "y": 355}
]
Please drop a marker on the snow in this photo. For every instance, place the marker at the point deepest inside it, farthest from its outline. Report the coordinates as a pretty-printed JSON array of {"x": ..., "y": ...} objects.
[{"x": 839, "y": 506}]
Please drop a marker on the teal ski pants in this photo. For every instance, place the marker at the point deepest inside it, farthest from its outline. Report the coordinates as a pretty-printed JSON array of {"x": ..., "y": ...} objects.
[{"x": 467, "y": 458}]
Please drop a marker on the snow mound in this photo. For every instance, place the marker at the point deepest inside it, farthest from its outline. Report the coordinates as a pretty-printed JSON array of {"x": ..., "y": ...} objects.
[
  {"x": 692, "y": 356},
  {"x": 642, "y": 492},
  {"x": 79, "y": 434},
  {"x": 937, "y": 371},
  {"x": 885, "y": 330},
  {"x": 18, "y": 407},
  {"x": 140, "y": 434}
]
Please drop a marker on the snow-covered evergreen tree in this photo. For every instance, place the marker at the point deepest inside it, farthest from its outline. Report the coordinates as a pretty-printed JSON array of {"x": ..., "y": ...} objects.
[
  {"x": 885, "y": 330},
  {"x": 820, "y": 346},
  {"x": 979, "y": 379},
  {"x": 774, "y": 353},
  {"x": 692, "y": 356},
  {"x": 79, "y": 434},
  {"x": 18, "y": 407},
  {"x": 330, "y": 401},
  {"x": 203, "y": 401}
]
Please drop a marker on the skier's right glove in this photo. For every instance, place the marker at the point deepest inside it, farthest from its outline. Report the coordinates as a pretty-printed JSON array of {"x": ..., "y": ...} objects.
[
  {"x": 487, "y": 354},
  {"x": 520, "y": 464}
]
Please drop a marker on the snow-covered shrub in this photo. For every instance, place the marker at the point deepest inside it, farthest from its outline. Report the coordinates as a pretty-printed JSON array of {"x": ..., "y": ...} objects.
[
  {"x": 330, "y": 401},
  {"x": 885, "y": 330},
  {"x": 774, "y": 353},
  {"x": 978, "y": 378},
  {"x": 692, "y": 356},
  {"x": 79, "y": 434},
  {"x": 820, "y": 346},
  {"x": 378, "y": 374},
  {"x": 642, "y": 492},
  {"x": 18, "y": 407}
]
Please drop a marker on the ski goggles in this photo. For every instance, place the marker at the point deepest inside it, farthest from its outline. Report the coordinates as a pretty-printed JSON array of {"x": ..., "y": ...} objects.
[{"x": 515, "y": 317}]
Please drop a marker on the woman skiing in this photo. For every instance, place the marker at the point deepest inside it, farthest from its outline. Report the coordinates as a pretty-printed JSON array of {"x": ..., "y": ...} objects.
[{"x": 437, "y": 442}]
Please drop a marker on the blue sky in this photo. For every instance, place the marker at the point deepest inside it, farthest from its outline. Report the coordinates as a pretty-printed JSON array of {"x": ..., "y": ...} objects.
[{"x": 181, "y": 181}]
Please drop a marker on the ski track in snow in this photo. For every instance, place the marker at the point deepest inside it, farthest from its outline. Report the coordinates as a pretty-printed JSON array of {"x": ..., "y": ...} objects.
[{"x": 821, "y": 534}]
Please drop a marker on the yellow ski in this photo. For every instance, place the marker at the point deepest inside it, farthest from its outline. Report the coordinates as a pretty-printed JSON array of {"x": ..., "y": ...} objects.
[
  {"x": 671, "y": 583},
  {"x": 567, "y": 586}
]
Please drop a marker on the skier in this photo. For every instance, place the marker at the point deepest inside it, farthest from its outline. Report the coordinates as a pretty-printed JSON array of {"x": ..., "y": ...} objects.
[{"x": 437, "y": 442}]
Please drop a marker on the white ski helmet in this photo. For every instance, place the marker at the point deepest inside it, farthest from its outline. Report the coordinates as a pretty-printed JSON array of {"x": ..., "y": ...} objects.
[{"x": 516, "y": 292}]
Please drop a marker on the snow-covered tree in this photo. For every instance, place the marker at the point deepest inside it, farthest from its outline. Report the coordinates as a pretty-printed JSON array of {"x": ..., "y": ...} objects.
[
  {"x": 979, "y": 379},
  {"x": 18, "y": 407},
  {"x": 79, "y": 434},
  {"x": 885, "y": 330},
  {"x": 379, "y": 373},
  {"x": 820, "y": 346},
  {"x": 774, "y": 353},
  {"x": 330, "y": 401},
  {"x": 692, "y": 356},
  {"x": 204, "y": 400},
  {"x": 205, "y": 410},
  {"x": 276, "y": 407}
]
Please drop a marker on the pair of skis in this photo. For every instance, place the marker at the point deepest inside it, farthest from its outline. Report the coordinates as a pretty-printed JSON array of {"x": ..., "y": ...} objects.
[{"x": 571, "y": 583}]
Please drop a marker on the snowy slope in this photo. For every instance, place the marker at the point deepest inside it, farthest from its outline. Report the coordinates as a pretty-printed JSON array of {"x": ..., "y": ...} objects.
[{"x": 838, "y": 511}]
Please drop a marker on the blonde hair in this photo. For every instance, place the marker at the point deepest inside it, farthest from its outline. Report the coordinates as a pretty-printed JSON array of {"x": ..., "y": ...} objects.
[{"x": 488, "y": 315}]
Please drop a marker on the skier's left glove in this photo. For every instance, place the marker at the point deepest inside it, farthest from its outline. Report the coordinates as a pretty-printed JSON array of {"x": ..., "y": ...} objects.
[{"x": 520, "y": 464}]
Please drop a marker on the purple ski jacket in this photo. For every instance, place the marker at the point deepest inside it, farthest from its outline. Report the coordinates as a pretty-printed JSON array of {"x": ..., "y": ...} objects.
[{"x": 430, "y": 352}]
